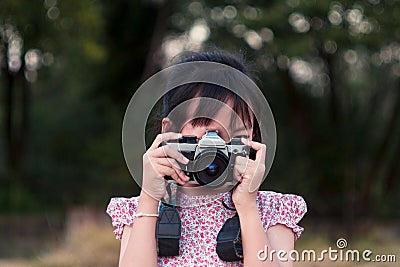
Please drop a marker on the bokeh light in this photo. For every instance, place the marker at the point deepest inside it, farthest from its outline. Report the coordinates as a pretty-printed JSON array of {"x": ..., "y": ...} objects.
[
  {"x": 299, "y": 22},
  {"x": 253, "y": 39},
  {"x": 300, "y": 71}
]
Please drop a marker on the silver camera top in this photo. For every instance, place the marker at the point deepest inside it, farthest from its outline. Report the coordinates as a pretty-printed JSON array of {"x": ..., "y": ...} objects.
[
  {"x": 212, "y": 139},
  {"x": 209, "y": 141}
]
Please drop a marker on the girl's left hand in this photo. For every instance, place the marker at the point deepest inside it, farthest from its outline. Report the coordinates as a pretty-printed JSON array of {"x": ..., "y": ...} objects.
[{"x": 250, "y": 174}]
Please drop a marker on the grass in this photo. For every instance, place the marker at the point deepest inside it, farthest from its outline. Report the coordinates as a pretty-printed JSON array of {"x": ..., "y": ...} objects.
[
  {"x": 379, "y": 238},
  {"x": 90, "y": 243},
  {"x": 87, "y": 243}
]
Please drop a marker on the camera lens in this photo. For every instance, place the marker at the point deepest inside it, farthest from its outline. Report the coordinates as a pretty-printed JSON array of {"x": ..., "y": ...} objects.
[
  {"x": 212, "y": 174},
  {"x": 212, "y": 169}
]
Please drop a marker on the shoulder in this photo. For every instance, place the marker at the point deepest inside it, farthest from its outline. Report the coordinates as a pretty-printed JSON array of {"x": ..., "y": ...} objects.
[
  {"x": 122, "y": 205},
  {"x": 278, "y": 208},
  {"x": 121, "y": 210},
  {"x": 273, "y": 200}
]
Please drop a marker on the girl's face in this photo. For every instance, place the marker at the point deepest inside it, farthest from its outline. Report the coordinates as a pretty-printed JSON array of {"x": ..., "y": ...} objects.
[
  {"x": 221, "y": 122},
  {"x": 225, "y": 121}
]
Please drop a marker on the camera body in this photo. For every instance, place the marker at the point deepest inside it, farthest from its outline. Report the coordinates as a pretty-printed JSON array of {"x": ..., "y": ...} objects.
[{"x": 211, "y": 159}]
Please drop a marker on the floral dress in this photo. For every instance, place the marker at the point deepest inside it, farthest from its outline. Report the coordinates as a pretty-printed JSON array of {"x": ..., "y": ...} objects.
[{"x": 204, "y": 217}]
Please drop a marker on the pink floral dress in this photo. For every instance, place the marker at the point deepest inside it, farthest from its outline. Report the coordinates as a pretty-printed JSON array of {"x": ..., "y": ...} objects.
[{"x": 205, "y": 216}]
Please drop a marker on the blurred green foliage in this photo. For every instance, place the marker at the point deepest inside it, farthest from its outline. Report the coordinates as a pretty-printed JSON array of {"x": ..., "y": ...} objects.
[{"x": 330, "y": 71}]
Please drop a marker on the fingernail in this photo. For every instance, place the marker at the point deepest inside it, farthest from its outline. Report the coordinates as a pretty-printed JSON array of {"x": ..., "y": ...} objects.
[{"x": 185, "y": 160}]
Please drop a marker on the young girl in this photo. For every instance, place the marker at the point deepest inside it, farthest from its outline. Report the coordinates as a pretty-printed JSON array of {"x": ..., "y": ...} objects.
[{"x": 268, "y": 220}]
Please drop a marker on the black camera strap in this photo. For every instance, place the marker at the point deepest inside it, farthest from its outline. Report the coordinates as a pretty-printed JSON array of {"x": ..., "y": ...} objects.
[
  {"x": 168, "y": 231},
  {"x": 229, "y": 241},
  {"x": 168, "y": 226}
]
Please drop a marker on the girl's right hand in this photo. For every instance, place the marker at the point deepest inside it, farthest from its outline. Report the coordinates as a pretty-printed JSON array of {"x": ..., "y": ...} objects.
[{"x": 160, "y": 161}]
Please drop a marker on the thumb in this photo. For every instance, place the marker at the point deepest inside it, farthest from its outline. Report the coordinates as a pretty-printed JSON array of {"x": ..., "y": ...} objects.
[
  {"x": 255, "y": 183},
  {"x": 257, "y": 179}
]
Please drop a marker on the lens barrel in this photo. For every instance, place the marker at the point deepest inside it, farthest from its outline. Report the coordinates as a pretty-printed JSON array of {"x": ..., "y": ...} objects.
[{"x": 212, "y": 174}]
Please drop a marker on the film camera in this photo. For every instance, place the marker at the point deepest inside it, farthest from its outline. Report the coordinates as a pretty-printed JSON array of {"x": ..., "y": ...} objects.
[{"x": 211, "y": 159}]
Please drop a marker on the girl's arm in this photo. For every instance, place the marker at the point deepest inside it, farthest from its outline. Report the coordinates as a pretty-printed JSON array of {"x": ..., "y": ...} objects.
[
  {"x": 254, "y": 239},
  {"x": 138, "y": 244}
]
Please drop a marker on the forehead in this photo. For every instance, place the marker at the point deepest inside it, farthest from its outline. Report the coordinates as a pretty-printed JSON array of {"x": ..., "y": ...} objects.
[
  {"x": 202, "y": 110},
  {"x": 210, "y": 108},
  {"x": 206, "y": 111}
]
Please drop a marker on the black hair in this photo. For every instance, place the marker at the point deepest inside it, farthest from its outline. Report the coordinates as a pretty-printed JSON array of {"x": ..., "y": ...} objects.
[{"x": 189, "y": 91}]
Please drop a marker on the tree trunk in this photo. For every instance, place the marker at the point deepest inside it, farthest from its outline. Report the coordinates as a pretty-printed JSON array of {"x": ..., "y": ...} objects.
[
  {"x": 376, "y": 162},
  {"x": 160, "y": 28},
  {"x": 393, "y": 173},
  {"x": 8, "y": 118},
  {"x": 298, "y": 111},
  {"x": 16, "y": 122}
]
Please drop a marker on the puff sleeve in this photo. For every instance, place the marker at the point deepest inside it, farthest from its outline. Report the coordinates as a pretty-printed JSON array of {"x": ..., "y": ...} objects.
[
  {"x": 287, "y": 209},
  {"x": 121, "y": 211}
]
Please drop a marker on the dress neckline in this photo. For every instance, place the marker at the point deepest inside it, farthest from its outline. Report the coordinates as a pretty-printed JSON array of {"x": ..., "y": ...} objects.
[{"x": 188, "y": 201}]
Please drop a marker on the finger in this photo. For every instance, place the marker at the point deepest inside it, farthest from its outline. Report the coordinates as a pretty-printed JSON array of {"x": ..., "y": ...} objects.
[
  {"x": 168, "y": 171},
  {"x": 169, "y": 162},
  {"x": 164, "y": 137},
  {"x": 255, "y": 183},
  {"x": 241, "y": 164},
  {"x": 259, "y": 147},
  {"x": 237, "y": 176},
  {"x": 249, "y": 172},
  {"x": 167, "y": 151},
  {"x": 240, "y": 167},
  {"x": 182, "y": 175}
]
